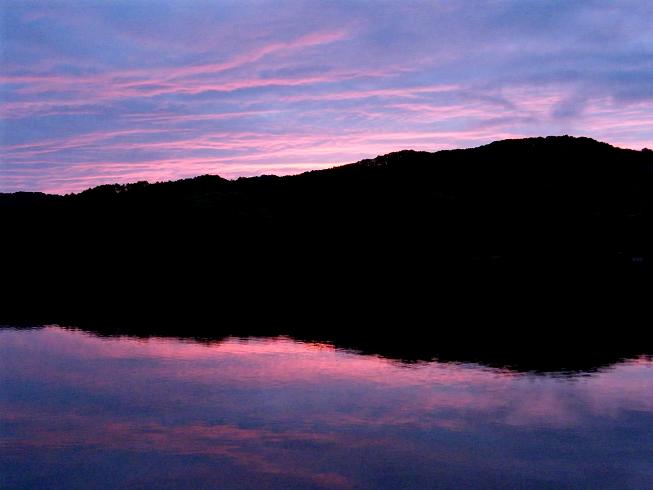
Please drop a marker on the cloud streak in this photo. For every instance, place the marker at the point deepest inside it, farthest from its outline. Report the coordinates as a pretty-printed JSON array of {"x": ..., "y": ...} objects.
[{"x": 103, "y": 94}]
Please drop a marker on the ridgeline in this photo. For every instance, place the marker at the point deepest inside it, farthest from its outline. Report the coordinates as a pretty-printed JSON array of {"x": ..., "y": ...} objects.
[{"x": 511, "y": 230}]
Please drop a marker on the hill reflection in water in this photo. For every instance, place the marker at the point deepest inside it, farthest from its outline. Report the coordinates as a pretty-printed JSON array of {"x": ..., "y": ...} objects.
[
  {"x": 267, "y": 412},
  {"x": 577, "y": 352}
]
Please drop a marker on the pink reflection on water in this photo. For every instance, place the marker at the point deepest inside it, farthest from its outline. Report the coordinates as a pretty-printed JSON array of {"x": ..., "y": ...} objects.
[
  {"x": 282, "y": 361},
  {"x": 244, "y": 447},
  {"x": 259, "y": 403}
]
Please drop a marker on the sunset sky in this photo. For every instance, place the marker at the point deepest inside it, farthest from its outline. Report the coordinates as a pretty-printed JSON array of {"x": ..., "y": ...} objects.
[{"x": 96, "y": 92}]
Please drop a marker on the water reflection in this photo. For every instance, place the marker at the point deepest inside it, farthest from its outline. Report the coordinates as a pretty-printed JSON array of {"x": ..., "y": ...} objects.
[{"x": 78, "y": 410}]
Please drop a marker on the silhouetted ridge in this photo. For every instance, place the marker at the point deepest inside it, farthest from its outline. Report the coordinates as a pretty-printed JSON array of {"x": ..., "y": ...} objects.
[{"x": 509, "y": 232}]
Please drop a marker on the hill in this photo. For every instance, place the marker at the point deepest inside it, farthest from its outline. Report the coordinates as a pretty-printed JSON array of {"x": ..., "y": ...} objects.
[{"x": 394, "y": 235}]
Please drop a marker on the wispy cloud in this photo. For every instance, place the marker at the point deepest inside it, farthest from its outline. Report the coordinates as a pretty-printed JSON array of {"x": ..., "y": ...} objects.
[{"x": 104, "y": 94}]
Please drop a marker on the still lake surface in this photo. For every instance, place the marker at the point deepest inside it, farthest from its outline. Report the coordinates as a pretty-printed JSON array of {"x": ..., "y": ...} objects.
[{"x": 82, "y": 411}]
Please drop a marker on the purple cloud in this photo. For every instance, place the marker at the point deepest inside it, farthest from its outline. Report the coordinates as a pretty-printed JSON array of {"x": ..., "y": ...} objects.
[{"x": 96, "y": 92}]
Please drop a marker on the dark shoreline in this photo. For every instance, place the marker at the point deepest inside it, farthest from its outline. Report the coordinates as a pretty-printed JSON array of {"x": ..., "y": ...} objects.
[{"x": 541, "y": 245}]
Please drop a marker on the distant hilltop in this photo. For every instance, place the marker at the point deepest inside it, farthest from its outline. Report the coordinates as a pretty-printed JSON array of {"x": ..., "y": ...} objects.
[
  {"x": 560, "y": 206},
  {"x": 549, "y": 144}
]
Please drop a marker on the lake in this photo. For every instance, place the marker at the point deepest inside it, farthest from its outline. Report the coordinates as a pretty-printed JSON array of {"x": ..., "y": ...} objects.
[{"x": 80, "y": 410}]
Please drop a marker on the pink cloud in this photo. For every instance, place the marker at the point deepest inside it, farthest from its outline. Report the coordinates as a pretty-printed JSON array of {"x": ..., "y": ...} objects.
[
  {"x": 398, "y": 92},
  {"x": 182, "y": 80}
]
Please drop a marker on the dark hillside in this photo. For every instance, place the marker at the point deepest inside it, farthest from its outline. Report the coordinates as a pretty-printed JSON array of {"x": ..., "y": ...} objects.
[{"x": 501, "y": 229}]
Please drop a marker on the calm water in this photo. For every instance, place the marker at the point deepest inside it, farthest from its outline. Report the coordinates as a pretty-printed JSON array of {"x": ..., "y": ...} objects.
[{"x": 81, "y": 411}]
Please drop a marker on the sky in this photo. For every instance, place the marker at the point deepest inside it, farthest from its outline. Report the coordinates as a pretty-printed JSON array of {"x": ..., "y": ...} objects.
[{"x": 103, "y": 91}]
